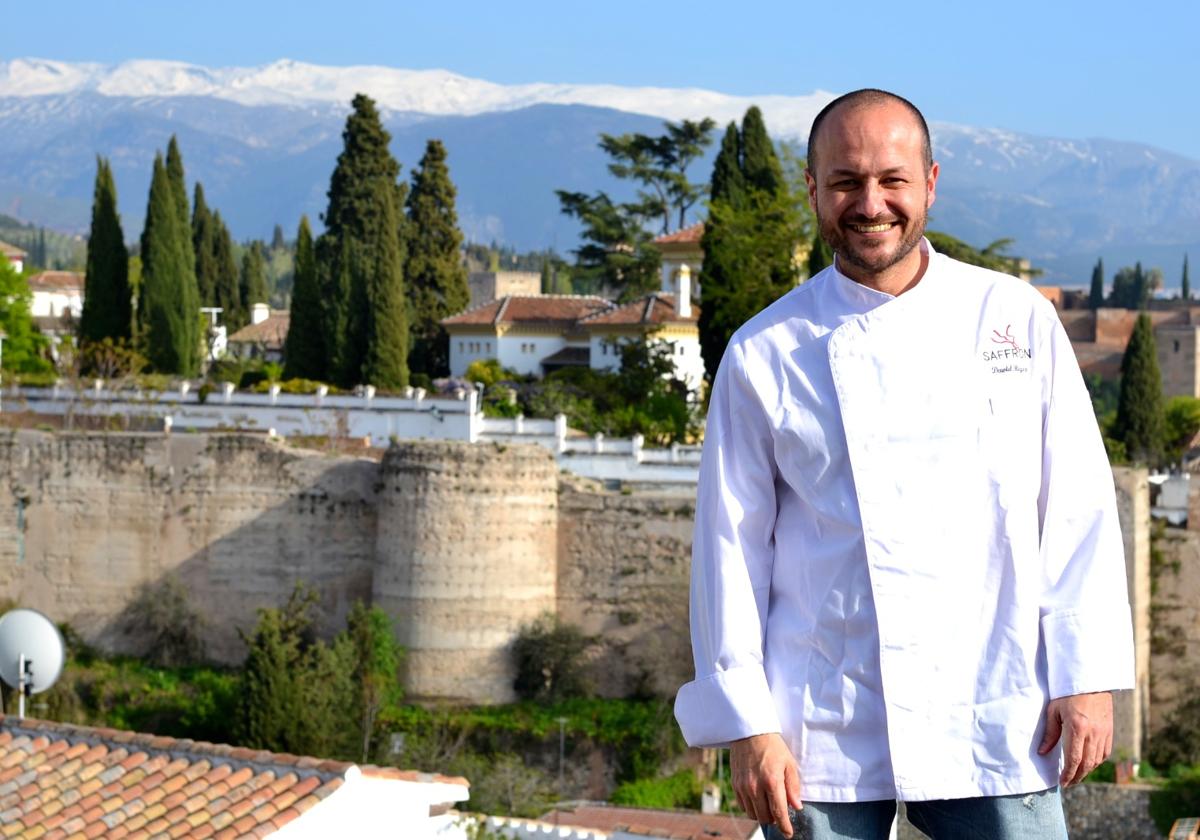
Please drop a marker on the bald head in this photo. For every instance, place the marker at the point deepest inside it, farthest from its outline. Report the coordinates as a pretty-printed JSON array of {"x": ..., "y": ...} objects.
[{"x": 866, "y": 98}]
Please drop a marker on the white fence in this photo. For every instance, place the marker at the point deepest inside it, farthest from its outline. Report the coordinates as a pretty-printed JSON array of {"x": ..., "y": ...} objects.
[{"x": 414, "y": 415}]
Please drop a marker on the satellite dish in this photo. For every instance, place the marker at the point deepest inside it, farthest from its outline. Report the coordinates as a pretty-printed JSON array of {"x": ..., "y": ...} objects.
[{"x": 31, "y": 643}]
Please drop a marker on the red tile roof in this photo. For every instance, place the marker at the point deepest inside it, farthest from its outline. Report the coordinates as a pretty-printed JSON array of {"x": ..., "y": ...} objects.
[
  {"x": 57, "y": 281},
  {"x": 12, "y": 251},
  {"x": 60, "y": 780},
  {"x": 677, "y": 825},
  {"x": 271, "y": 333},
  {"x": 562, "y": 310},
  {"x": 688, "y": 235},
  {"x": 657, "y": 308}
]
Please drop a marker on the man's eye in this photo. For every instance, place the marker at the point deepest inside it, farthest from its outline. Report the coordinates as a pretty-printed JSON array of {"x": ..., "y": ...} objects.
[{"x": 843, "y": 184}]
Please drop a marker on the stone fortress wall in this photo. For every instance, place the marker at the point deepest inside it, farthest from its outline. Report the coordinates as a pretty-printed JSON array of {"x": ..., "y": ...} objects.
[{"x": 462, "y": 543}]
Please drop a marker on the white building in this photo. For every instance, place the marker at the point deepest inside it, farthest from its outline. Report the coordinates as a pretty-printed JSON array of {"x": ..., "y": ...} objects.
[
  {"x": 56, "y": 293},
  {"x": 14, "y": 255},
  {"x": 264, "y": 337},
  {"x": 680, "y": 250}
]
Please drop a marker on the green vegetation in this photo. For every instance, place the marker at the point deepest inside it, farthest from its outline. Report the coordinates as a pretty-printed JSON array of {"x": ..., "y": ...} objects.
[
  {"x": 435, "y": 276},
  {"x": 253, "y": 279},
  {"x": 1096, "y": 292},
  {"x": 1185, "y": 286},
  {"x": 679, "y": 790},
  {"x": 548, "y": 656},
  {"x": 360, "y": 259},
  {"x": 108, "y": 299},
  {"x": 46, "y": 249},
  {"x": 305, "y": 350},
  {"x": 755, "y": 223},
  {"x": 1139, "y": 421},
  {"x": 24, "y": 347}
]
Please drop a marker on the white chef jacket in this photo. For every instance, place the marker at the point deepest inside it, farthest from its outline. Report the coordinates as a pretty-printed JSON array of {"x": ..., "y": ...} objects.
[{"x": 906, "y": 538}]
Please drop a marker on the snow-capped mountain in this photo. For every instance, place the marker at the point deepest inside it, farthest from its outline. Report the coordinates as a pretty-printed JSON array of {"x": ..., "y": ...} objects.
[{"x": 263, "y": 141}]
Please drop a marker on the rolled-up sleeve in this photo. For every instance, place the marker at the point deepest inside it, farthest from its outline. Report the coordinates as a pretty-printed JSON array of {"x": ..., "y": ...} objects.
[
  {"x": 1085, "y": 615},
  {"x": 732, "y": 556}
]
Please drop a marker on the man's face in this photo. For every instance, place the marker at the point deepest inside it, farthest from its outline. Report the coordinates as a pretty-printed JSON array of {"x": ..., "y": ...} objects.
[{"x": 871, "y": 192}]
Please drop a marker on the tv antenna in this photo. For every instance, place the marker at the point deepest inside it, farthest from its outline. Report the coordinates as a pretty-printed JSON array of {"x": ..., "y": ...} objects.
[{"x": 31, "y": 653}]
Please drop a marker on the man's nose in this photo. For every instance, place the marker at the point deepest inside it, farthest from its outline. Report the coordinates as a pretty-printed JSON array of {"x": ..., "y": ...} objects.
[{"x": 871, "y": 201}]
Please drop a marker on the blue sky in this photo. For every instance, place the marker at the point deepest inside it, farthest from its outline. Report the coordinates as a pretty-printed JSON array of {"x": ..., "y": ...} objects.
[{"x": 1055, "y": 67}]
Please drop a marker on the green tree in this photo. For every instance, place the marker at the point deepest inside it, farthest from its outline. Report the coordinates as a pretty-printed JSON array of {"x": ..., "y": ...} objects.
[
  {"x": 278, "y": 243},
  {"x": 1181, "y": 423},
  {"x": 204, "y": 245},
  {"x": 820, "y": 256},
  {"x": 1139, "y": 422},
  {"x": 304, "y": 354},
  {"x": 617, "y": 256},
  {"x": 728, "y": 185},
  {"x": 435, "y": 276},
  {"x": 377, "y": 657},
  {"x": 176, "y": 177},
  {"x": 360, "y": 259},
  {"x": 749, "y": 240},
  {"x": 549, "y": 660},
  {"x": 227, "y": 292},
  {"x": 1096, "y": 294},
  {"x": 24, "y": 347},
  {"x": 107, "y": 300},
  {"x": 253, "y": 284},
  {"x": 1125, "y": 289},
  {"x": 1185, "y": 288},
  {"x": 295, "y": 688},
  {"x": 169, "y": 307}
]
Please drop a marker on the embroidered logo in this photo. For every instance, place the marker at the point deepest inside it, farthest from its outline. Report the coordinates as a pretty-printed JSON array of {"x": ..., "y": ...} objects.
[{"x": 1006, "y": 349}]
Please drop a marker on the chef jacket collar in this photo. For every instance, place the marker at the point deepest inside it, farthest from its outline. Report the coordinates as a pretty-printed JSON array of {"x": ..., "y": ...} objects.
[{"x": 865, "y": 298}]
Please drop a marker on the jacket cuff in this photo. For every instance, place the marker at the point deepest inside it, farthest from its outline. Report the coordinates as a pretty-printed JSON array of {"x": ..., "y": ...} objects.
[
  {"x": 726, "y": 706},
  {"x": 1089, "y": 650}
]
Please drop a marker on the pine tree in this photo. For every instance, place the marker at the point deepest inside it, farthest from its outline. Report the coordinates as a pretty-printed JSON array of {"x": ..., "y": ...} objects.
[
  {"x": 1185, "y": 289},
  {"x": 253, "y": 286},
  {"x": 728, "y": 185},
  {"x": 749, "y": 239},
  {"x": 107, "y": 300},
  {"x": 42, "y": 259},
  {"x": 360, "y": 259},
  {"x": 1139, "y": 421},
  {"x": 227, "y": 292},
  {"x": 278, "y": 243},
  {"x": 1096, "y": 294},
  {"x": 169, "y": 309},
  {"x": 304, "y": 354},
  {"x": 178, "y": 182},
  {"x": 435, "y": 277}
]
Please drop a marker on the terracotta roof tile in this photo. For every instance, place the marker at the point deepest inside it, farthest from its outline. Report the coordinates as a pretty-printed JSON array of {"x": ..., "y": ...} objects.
[
  {"x": 560, "y": 310},
  {"x": 657, "y": 308},
  {"x": 680, "y": 825},
  {"x": 271, "y": 333},
  {"x": 689, "y": 234}
]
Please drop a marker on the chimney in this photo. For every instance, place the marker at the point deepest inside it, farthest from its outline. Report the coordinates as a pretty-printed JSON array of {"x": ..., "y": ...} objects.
[
  {"x": 259, "y": 312},
  {"x": 683, "y": 294}
]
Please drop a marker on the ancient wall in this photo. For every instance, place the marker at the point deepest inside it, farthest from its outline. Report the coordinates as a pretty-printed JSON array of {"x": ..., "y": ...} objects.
[
  {"x": 1175, "y": 659},
  {"x": 87, "y": 518},
  {"x": 466, "y": 554},
  {"x": 1132, "y": 708},
  {"x": 623, "y": 568}
]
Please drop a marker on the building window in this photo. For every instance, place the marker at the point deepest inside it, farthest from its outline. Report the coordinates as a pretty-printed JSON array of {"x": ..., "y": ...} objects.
[
  {"x": 460, "y": 347},
  {"x": 1176, "y": 346}
]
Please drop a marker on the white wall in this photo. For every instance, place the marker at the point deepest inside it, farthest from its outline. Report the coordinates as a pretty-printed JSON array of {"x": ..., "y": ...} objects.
[
  {"x": 53, "y": 304},
  {"x": 468, "y": 348},
  {"x": 603, "y": 355},
  {"x": 524, "y": 353}
]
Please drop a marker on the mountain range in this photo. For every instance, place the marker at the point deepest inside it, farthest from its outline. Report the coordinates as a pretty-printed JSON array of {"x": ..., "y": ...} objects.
[{"x": 263, "y": 141}]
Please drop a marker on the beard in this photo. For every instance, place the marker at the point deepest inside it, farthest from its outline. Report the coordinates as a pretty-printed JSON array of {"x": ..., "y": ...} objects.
[{"x": 873, "y": 260}]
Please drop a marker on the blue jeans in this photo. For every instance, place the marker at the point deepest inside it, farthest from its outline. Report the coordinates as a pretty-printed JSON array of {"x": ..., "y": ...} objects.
[{"x": 1022, "y": 816}]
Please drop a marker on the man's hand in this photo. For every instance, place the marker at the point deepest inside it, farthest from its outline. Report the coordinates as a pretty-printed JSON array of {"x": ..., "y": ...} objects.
[
  {"x": 765, "y": 779},
  {"x": 1085, "y": 723}
]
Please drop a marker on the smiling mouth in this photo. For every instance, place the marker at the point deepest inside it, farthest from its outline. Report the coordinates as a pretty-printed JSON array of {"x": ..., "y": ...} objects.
[{"x": 874, "y": 228}]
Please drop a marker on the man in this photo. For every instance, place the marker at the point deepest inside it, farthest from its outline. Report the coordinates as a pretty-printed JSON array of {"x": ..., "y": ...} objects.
[{"x": 907, "y": 575}]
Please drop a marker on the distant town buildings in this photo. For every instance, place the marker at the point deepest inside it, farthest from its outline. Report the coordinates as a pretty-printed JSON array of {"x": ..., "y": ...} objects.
[{"x": 14, "y": 255}]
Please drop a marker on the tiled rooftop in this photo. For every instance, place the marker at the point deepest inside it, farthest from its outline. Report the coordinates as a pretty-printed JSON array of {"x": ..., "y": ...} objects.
[
  {"x": 675, "y": 825},
  {"x": 689, "y": 235},
  {"x": 658, "y": 308},
  {"x": 530, "y": 309},
  {"x": 57, "y": 281},
  {"x": 64, "y": 781},
  {"x": 11, "y": 251},
  {"x": 272, "y": 332}
]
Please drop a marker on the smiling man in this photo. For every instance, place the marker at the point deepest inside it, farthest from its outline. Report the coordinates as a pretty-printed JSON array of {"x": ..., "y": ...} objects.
[{"x": 908, "y": 580}]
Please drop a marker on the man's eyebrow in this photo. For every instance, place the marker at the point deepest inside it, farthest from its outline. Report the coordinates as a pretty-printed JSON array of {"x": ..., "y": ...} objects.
[{"x": 892, "y": 170}]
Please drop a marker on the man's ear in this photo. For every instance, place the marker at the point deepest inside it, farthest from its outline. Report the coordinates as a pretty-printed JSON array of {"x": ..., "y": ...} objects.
[
  {"x": 931, "y": 185},
  {"x": 812, "y": 189}
]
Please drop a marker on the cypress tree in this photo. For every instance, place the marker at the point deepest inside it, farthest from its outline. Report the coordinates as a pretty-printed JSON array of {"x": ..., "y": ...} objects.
[
  {"x": 226, "y": 284},
  {"x": 360, "y": 259},
  {"x": 107, "y": 300},
  {"x": 1096, "y": 294},
  {"x": 178, "y": 182},
  {"x": 204, "y": 245},
  {"x": 253, "y": 288},
  {"x": 820, "y": 256},
  {"x": 760, "y": 165},
  {"x": 727, "y": 183},
  {"x": 1185, "y": 289},
  {"x": 434, "y": 274},
  {"x": 169, "y": 310},
  {"x": 749, "y": 238},
  {"x": 304, "y": 353},
  {"x": 1141, "y": 289},
  {"x": 1139, "y": 421}
]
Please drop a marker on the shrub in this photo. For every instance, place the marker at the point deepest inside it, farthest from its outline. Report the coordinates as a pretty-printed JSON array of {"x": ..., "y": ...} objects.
[
  {"x": 487, "y": 371},
  {"x": 680, "y": 790},
  {"x": 171, "y": 632},
  {"x": 1179, "y": 797},
  {"x": 549, "y": 660}
]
